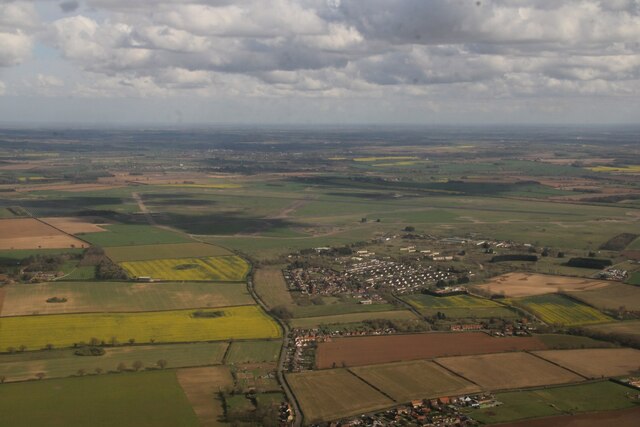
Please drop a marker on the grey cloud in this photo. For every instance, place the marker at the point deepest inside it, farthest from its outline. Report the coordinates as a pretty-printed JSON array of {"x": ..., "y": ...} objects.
[{"x": 69, "y": 6}]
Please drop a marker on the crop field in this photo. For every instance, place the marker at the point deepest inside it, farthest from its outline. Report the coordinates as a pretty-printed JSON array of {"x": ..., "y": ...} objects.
[
  {"x": 201, "y": 386},
  {"x": 631, "y": 327},
  {"x": 63, "y": 330},
  {"x": 612, "y": 297},
  {"x": 528, "y": 284},
  {"x": 223, "y": 268},
  {"x": 569, "y": 342},
  {"x": 621, "y": 418},
  {"x": 556, "y": 309},
  {"x": 313, "y": 322},
  {"x": 176, "y": 250},
  {"x": 73, "y": 225},
  {"x": 63, "y": 363},
  {"x": 253, "y": 352},
  {"x": 459, "y": 306},
  {"x": 503, "y": 371},
  {"x": 359, "y": 351},
  {"x": 547, "y": 402},
  {"x": 100, "y": 297},
  {"x": 147, "y": 399},
  {"x": 29, "y": 233},
  {"x": 271, "y": 286},
  {"x": 133, "y": 235},
  {"x": 596, "y": 363},
  {"x": 405, "y": 381},
  {"x": 333, "y": 394}
]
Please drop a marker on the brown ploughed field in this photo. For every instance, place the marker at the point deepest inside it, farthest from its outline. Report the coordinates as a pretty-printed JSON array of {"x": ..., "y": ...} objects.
[
  {"x": 359, "y": 351},
  {"x": 515, "y": 285},
  {"x": 596, "y": 362},
  {"x": 73, "y": 225},
  {"x": 623, "y": 418},
  {"x": 29, "y": 233}
]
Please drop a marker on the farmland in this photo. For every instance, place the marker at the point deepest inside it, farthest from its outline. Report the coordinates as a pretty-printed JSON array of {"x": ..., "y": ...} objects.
[
  {"x": 557, "y": 309},
  {"x": 133, "y": 235},
  {"x": 222, "y": 268},
  {"x": 153, "y": 399},
  {"x": 458, "y": 306},
  {"x": 201, "y": 386},
  {"x": 620, "y": 418},
  {"x": 63, "y": 363},
  {"x": 29, "y": 233},
  {"x": 596, "y": 363},
  {"x": 508, "y": 370},
  {"x": 312, "y": 322},
  {"x": 528, "y": 284},
  {"x": 358, "y": 351},
  {"x": 611, "y": 297},
  {"x": 631, "y": 328},
  {"x": 550, "y": 401},
  {"x": 253, "y": 352},
  {"x": 99, "y": 297},
  {"x": 64, "y": 330},
  {"x": 72, "y": 225},
  {"x": 152, "y": 252},
  {"x": 405, "y": 381},
  {"x": 336, "y": 393}
]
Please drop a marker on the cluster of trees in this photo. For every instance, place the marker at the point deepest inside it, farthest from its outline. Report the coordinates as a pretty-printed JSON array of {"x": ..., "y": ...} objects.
[
  {"x": 107, "y": 270},
  {"x": 595, "y": 263},
  {"x": 514, "y": 257}
]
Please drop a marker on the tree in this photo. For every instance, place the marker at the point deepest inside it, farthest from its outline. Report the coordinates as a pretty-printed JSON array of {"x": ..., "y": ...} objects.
[
  {"x": 409, "y": 228},
  {"x": 94, "y": 341},
  {"x": 121, "y": 367},
  {"x": 98, "y": 370},
  {"x": 81, "y": 372},
  {"x": 11, "y": 349},
  {"x": 137, "y": 365},
  {"x": 162, "y": 363},
  {"x": 49, "y": 346},
  {"x": 22, "y": 348},
  {"x": 2, "y": 379},
  {"x": 132, "y": 341},
  {"x": 40, "y": 375}
]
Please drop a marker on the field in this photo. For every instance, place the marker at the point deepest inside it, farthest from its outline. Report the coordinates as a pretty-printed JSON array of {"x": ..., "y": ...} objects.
[
  {"x": 152, "y": 399},
  {"x": 596, "y": 363},
  {"x": 333, "y": 394},
  {"x": 223, "y": 268},
  {"x": 508, "y": 370},
  {"x": 29, "y": 233},
  {"x": 527, "y": 284},
  {"x": 133, "y": 235},
  {"x": 358, "y": 351},
  {"x": 627, "y": 328},
  {"x": 63, "y": 363},
  {"x": 420, "y": 379},
  {"x": 459, "y": 306},
  {"x": 100, "y": 297},
  {"x": 547, "y": 402},
  {"x": 64, "y": 330},
  {"x": 612, "y": 297},
  {"x": 271, "y": 287},
  {"x": 73, "y": 225},
  {"x": 557, "y": 309},
  {"x": 622, "y": 418},
  {"x": 253, "y": 352},
  {"x": 568, "y": 342},
  {"x": 201, "y": 386},
  {"x": 151, "y": 252},
  {"x": 313, "y": 322},
  {"x": 634, "y": 278}
]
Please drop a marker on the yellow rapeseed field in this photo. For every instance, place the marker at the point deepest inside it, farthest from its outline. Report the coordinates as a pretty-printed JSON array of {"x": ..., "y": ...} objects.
[
  {"x": 617, "y": 169},
  {"x": 221, "y": 268},
  {"x": 555, "y": 309},
  {"x": 64, "y": 330},
  {"x": 376, "y": 159}
]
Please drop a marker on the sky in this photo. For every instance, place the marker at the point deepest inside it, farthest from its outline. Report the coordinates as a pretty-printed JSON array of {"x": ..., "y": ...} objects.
[{"x": 93, "y": 62}]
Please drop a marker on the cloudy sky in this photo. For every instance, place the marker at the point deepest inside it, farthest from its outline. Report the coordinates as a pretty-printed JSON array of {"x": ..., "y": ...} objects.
[{"x": 319, "y": 61}]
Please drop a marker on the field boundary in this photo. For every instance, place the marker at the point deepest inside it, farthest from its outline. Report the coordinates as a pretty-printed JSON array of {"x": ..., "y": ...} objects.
[
  {"x": 371, "y": 385},
  {"x": 557, "y": 364},
  {"x": 455, "y": 373}
]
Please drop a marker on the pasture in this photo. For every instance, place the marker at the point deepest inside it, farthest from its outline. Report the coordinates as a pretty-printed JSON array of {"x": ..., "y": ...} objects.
[
  {"x": 358, "y": 351},
  {"x": 100, "y": 297},
  {"x": 557, "y": 309},
  {"x": 550, "y": 401},
  {"x": 176, "y": 250},
  {"x": 405, "y": 381},
  {"x": 621, "y": 418},
  {"x": 333, "y": 394},
  {"x": 611, "y": 297},
  {"x": 133, "y": 235},
  {"x": 503, "y": 371},
  {"x": 29, "y": 233},
  {"x": 65, "y": 330},
  {"x": 64, "y": 363},
  {"x": 253, "y": 352},
  {"x": 201, "y": 386},
  {"x": 631, "y": 328},
  {"x": 596, "y": 363},
  {"x": 515, "y": 285},
  {"x": 151, "y": 399},
  {"x": 271, "y": 287},
  {"x": 222, "y": 268},
  {"x": 459, "y": 306}
]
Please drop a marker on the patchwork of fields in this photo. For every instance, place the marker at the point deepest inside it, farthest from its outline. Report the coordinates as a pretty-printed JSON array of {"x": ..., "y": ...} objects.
[
  {"x": 224, "y": 268},
  {"x": 65, "y": 330}
]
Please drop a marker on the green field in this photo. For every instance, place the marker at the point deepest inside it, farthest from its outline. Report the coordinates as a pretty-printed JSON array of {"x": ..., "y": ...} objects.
[
  {"x": 152, "y": 399},
  {"x": 314, "y": 322},
  {"x": 557, "y": 309},
  {"x": 592, "y": 397},
  {"x": 253, "y": 352},
  {"x": 90, "y": 297},
  {"x": 630, "y": 327},
  {"x": 63, "y": 363},
  {"x": 565, "y": 342},
  {"x": 634, "y": 278},
  {"x": 131, "y": 235},
  {"x": 64, "y": 330},
  {"x": 151, "y": 252},
  {"x": 459, "y": 306},
  {"x": 222, "y": 268}
]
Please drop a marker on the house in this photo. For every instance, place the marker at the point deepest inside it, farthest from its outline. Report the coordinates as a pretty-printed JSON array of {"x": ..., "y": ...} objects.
[{"x": 417, "y": 403}]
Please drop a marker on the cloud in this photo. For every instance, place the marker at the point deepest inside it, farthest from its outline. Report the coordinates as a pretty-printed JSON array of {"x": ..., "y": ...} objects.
[
  {"x": 18, "y": 20},
  {"x": 69, "y": 6}
]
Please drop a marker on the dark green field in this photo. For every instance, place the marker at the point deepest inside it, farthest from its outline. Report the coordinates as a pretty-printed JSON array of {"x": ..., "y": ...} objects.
[{"x": 129, "y": 235}]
